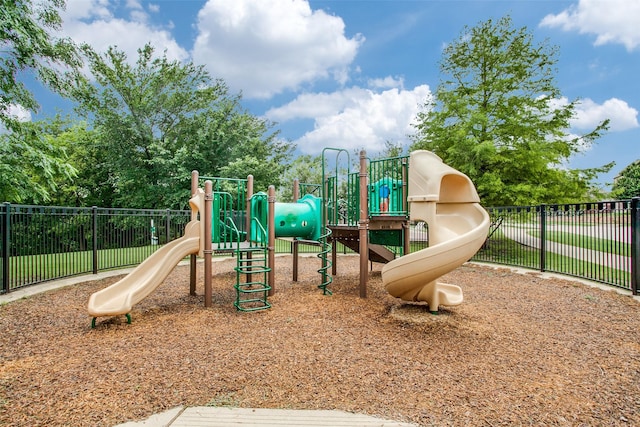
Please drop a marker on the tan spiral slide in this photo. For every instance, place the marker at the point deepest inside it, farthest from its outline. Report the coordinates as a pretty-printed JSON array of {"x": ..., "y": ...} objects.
[{"x": 448, "y": 202}]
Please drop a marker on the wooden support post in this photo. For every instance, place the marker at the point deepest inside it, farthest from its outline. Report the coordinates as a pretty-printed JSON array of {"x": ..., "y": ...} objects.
[
  {"x": 193, "y": 271},
  {"x": 271, "y": 246},
  {"x": 208, "y": 206},
  {"x": 363, "y": 225}
]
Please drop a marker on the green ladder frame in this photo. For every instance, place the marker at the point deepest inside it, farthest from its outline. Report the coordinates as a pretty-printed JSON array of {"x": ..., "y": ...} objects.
[
  {"x": 252, "y": 265},
  {"x": 252, "y": 293}
]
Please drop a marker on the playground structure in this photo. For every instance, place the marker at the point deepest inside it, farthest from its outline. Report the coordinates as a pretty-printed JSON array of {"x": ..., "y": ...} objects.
[{"x": 369, "y": 211}]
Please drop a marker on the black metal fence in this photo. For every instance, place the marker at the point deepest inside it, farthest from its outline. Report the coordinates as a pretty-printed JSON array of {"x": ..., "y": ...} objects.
[
  {"x": 595, "y": 241},
  {"x": 41, "y": 243}
]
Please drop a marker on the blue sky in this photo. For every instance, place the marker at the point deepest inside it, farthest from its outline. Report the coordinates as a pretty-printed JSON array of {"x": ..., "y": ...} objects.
[{"x": 353, "y": 73}]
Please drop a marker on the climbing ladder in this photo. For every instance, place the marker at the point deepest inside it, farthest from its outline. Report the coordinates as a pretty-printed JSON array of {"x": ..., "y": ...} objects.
[
  {"x": 250, "y": 249},
  {"x": 252, "y": 287}
]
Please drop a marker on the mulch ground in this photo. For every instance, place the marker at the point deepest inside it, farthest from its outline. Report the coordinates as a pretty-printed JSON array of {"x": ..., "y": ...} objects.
[{"x": 520, "y": 350}]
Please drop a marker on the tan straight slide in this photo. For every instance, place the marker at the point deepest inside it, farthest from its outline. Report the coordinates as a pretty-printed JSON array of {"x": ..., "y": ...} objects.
[
  {"x": 120, "y": 297},
  {"x": 447, "y": 201}
]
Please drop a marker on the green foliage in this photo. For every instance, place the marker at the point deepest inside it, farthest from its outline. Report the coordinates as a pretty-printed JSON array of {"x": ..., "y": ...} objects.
[
  {"x": 306, "y": 169},
  {"x": 263, "y": 157},
  {"x": 157, "y": 120},
  {"x": 496, "y": 119},
  {"x": 28, "y": 47},
  {"x": 391, "y": 149},
  {"x": 627, "y": 184},
  {"x": 30, "y": 164},
  {"x": 90, "y": 185}
]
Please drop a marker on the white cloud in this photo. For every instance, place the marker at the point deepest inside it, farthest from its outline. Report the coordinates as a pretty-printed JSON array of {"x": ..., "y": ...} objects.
[
  {"x": 612, "y": 21},
  {"x": 93, "y": 22},
  {"x": 16, "y": 112},
  {"x": 19, "y": 113},
  {"x": 386, "y": 83},
  {"x": 86, "y": 9},
  {"x": 134, "y": 4},
  {"x": 355, "y": 118},
  {"x": 265, "y": 47},
  {"x": 590, "y": 114}
]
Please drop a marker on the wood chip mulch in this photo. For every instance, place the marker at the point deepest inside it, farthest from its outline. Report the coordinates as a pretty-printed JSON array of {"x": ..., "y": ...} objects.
[{"x": 520, "y": 350}]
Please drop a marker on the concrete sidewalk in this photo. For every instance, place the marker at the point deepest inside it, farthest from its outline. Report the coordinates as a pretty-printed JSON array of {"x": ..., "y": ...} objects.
[{"x": 247, "y": 417}]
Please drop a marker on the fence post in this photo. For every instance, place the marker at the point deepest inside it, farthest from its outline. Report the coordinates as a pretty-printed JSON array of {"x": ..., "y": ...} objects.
[
  {"x": 635, "y": 242},
  {"x": 6, "y": 241},
  {"x": 543, "y": 239},
  {"x": 168, "y": 227},
  {"x": 94, "y": 237}
]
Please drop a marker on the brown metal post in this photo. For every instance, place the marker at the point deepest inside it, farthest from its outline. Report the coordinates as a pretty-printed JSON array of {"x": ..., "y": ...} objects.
[
  {"x": 208, "y": 207},
  {"x": 271, "y": 247},
  {"x": 193, "y": 272},
  {"x": 363, "y": 225},
  {"x": 247, "y": 226},
  {"x": 334, "y": 257},
  {"x": 296, "y": 251},
  {"x": 295, "y": 248},
  {"x": 296, "y": 190},
  {"x": 248, "y": 216}
]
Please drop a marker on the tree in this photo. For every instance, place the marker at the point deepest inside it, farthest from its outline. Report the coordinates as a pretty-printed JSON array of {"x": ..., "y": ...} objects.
[
  {"x": 157, "y": 120},
  {"x": 32, "y": 166},
  {"x": 495, "y": 117},
  {"x": 28, "y": 162},
  {"x": 306, "y": 169},
  {"x": 28, "y": 47},
  {"x": 627, "y": 184},
  {"x": 391, "y": 149},
  {"x": 264, "y": 157},
  {"x": 90, "y": 184}
]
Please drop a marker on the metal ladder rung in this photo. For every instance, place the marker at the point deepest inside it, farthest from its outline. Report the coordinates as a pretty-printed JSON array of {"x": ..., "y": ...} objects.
[
  {"x": 250, "y": 250},
  {"x": 264, "y": 305},
  {"x": 252, "y": 269},
  {"x": 252, "y": 291},
  {"x": 251, "y": 260}
]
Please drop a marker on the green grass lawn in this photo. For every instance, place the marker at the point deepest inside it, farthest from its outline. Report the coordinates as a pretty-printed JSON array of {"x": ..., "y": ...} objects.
[
  {"x": 35, "y": 268},
  {"x": 586, "y": 242}
]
